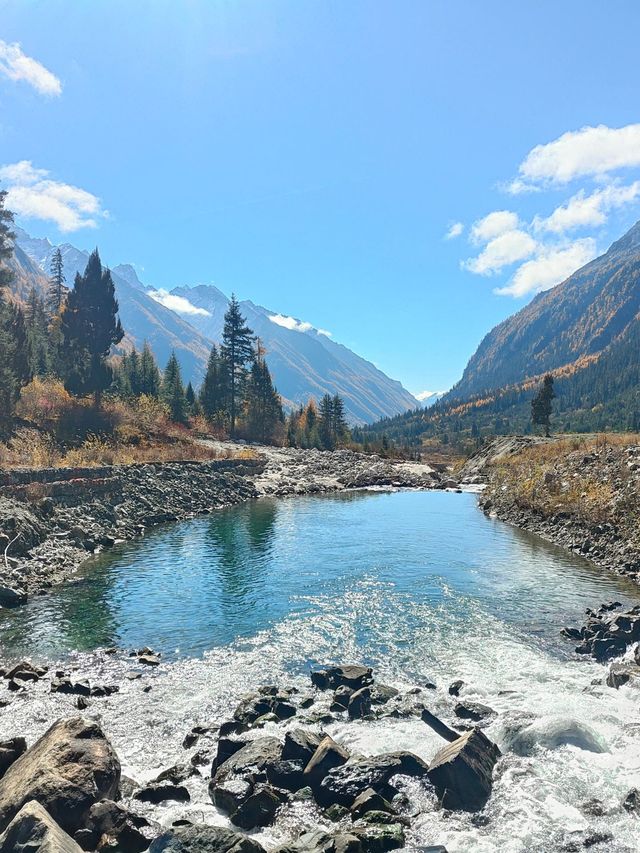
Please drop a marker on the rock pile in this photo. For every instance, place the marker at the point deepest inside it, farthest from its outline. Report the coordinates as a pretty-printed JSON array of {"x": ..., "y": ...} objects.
[{"x": 65, "y": 793}]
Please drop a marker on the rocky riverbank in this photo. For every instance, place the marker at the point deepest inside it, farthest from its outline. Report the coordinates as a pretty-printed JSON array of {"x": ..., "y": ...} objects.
[
  {"x": 581, "y": 494},
  {"x": 52, "y": 520}
]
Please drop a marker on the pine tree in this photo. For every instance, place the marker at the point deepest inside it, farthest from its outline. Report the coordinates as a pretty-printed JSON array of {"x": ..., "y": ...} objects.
[
  {"x": 542, "y": 404},
  {"x": 37, "y": 335},
  {"x": 90, "y": 327},
  {"x": 338, "y": 422},
  {"x": 10, "y": 381},
  {"x": 57, "y": 290},
  {"x": 214, "y": 389},
  {"x": 237, "y": 353},
  {"x": 173, "y": 390},
  {"x": 190, "y": 397},
  {"x": 150, "y": 380},
  {"x": 325, "y": 418},
  {"x": 264, "y": 406}
]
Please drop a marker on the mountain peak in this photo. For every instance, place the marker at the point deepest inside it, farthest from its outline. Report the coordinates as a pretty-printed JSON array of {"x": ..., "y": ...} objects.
[{"x": 629, "y": 242}]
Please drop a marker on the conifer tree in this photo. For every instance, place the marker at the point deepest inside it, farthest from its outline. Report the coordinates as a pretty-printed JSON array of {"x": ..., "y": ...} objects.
[
  {"x": 57, "y": 289},
  {"x": 338, "y": 422},
  {"x": 237, "y": 353},
  {"x": 264, "y": 406},
  {"x": 149, "y": 373},
  {"x": 173, "y": 390},
  {"x": 90, "y": 327},
  {"x": 542, "y": 404},
  {"x": 214, "y": 389},
  {"x": 325, "y": 417},
  {"x": 37, "y": 335}
]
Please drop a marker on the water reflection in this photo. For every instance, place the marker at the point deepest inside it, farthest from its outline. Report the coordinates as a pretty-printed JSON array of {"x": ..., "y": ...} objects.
[{"x": 189, "y": 587}]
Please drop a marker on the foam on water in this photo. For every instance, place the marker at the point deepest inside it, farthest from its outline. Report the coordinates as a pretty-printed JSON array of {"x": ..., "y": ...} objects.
[{"x": 565, "y": 740}]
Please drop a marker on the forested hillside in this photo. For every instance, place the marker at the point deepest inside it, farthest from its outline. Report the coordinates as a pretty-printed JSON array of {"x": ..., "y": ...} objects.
[{"x": 585, "y": 332}]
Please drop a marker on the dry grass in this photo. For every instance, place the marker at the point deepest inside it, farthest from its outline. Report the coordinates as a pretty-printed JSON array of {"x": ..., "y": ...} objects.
[{"x": 586, "y": 477}]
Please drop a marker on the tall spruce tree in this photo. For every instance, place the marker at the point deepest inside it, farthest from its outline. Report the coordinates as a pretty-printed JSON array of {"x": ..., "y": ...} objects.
[
  {"x": 542, "y": 405},
  {"x": 57, "y": 289},
  {"x": 90, "y": 327},
  {"x": 150, "y": 379},
  {"x": 237, "y": 353},
  {"x": 325, "y": 426},
  {"x": 264, "y": 406},
  {"x": 214, "y": 389},
  {"x": 338, "y": 421},
  {"x": 37, "y": 334},
  {"x": 173, "y": 390}
]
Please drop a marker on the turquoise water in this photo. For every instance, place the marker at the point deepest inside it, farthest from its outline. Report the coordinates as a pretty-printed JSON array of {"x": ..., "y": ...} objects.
[{"x": 423, "y": 558}]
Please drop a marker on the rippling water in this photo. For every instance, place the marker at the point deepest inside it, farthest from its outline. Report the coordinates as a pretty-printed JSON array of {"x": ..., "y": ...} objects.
[{"x": 420, "y": 585}]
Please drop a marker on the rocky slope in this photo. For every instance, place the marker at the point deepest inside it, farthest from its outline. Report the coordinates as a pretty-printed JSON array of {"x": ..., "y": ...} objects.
[{"x": 582, "y": 494}]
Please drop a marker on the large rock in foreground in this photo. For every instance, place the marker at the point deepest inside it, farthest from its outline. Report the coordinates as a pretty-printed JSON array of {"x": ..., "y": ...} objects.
[
  {"x": 204, "y": 839},
  {"x": 462, "y": 771},
  {"x": 33, "y": 830},
  {"x": 70, "y": 768}
]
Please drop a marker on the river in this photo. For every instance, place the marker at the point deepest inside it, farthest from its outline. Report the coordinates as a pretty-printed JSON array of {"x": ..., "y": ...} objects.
[{"x": 421, "y": 585}]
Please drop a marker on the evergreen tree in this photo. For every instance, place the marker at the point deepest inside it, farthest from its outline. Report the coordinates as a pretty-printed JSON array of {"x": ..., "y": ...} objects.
[
  {"x": 149, "y": 374},
  {"x": 37, "y": 335},
  {"x": 214, "y": 390},
  {"x": 264, "y": 406},
  {"x": 237, "y": 353},
  {"x": 173, "y": 390},
  {"x": 90, "y": 327},
  {"x": 338, "y": 422},
  {"x": 325, "y": 418},
  {"x": 57, "y": 290},
  {"x": 542, "y": 404}
]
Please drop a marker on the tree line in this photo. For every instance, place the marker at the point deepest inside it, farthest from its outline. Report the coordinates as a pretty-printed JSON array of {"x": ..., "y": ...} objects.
[{"x": 69, "y": 335}]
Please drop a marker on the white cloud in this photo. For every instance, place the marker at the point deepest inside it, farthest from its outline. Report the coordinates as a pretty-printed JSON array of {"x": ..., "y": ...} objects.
[
  {"x": 454, "y": 231},
  {"x": 178, "y": 303},
  {"x": 35, "y": 196},
  {"x": 17, "y": 66},
  {"x": 587, "y": 210},
  {"x": 493, "y": 225},
  {"x": 550, "y": 266},
  {"x": 292, "y": 323},
  {"x": 501, "y": 252},
  {"x": 590, "y": 151}
]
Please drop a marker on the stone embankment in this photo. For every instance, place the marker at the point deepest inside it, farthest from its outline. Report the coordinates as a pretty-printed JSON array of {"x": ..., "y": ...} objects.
[
  {"x": 52, "y": 519},
  {"x": 581, "y": 494},
  {"x": 67, "y": 793}
]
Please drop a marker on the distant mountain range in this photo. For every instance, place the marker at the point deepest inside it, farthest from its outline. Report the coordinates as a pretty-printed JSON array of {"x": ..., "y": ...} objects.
[
  {"x": 305, "y": 362},
  {"x": 585, "y": 331}
]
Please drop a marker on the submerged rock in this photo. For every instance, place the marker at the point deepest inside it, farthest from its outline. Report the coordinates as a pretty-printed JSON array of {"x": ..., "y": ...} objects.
[
  {"x": 462, "y": 771},
  {"x": 350, "y": 675},
  {"x": 158, "y": 792},
  {"x": 71, "y": 767}
]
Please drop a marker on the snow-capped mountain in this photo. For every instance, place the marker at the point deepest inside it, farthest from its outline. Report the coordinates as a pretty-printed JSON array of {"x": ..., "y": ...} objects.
[{"x": 305, "y": 362}]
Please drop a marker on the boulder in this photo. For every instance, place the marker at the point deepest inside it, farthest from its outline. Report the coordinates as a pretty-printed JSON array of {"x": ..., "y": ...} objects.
[
  {"x": 69, "y": 769},
  {"x": 350, "y": 675},
  {"x": 10, "y": 751},
  {"x": 300, "y": 745},
  {"x": 288, "y": 775},
  {"x": 346, "y": 783},
  {"x": 229, "y": 795},
  {"x": 176, "y": 774},
  {"x": 631, "y": 802},
  {"x": 112, "y": 827},
  {"x": 455, "y": 687},
  {"x": 379, "y": 838},
  {"x": 33, "y": 830},
  {"x": 251, "y": 760},
  {"x": 12, "y": 596},
  {"x": 462, "y": 771},
  {"x": 360, "y": 704},
  {"x": 328, "y": 755},
  {"x": 73, "y": 688},
  {"x": 204, "y": 839},
  {"x": 259, "y": 809},
  {"x": 159, "y": 792},
  {"x": 474, "y": 711},
  {"x": 370, "y": 801},
  {"x": 622, "y": 673}
]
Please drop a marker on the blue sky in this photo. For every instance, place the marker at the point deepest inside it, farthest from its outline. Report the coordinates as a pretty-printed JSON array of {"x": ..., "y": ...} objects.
[{"x": 313, "y": 156}]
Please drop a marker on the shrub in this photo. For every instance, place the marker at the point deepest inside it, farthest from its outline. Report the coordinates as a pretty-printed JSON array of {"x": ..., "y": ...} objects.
[{"x": 43, "y": 402}]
